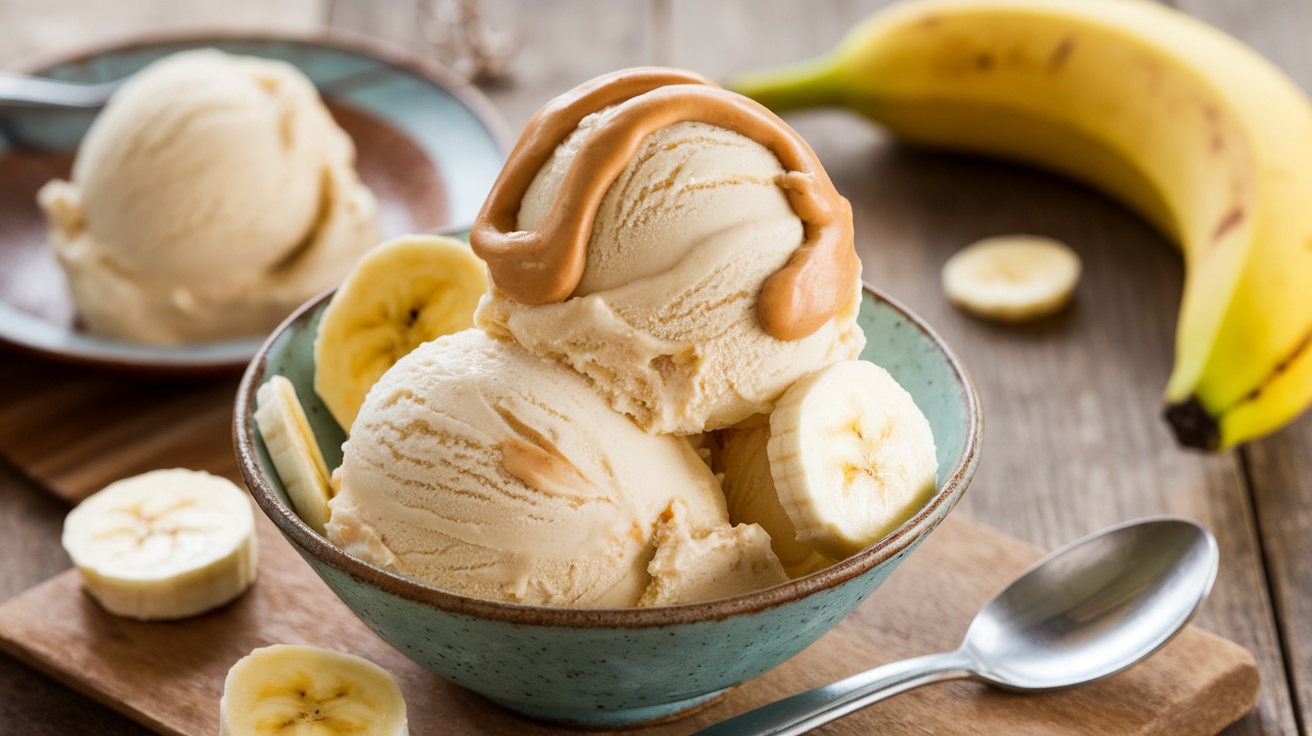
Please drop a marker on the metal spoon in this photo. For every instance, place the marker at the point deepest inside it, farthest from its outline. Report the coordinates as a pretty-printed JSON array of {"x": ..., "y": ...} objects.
[
  {"x": 1084, "y": 612},
  {"x": 20, "y": 90}
]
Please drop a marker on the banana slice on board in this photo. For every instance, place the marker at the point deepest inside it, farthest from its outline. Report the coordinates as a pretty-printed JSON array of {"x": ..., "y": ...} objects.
[
  {"x": 401, "y": 294},
  {"x": 851, "y": 455},
  {"x": 294, "y": 689},
  {"x": 294, "y": 450},
  {"x": 1012, "y": 278},
  {"x": 167, "y": 544}
]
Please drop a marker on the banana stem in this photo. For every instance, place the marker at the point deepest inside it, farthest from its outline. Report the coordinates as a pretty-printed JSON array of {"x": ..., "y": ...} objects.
[
  {"x": 1194, "y": 425},
  {"x": 812, "y": 83}
]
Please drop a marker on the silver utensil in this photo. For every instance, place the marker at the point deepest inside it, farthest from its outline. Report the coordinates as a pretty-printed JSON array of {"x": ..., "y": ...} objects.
[
  {"x": 20, "y": 90},
  {"x": 1085, "y": 612}
]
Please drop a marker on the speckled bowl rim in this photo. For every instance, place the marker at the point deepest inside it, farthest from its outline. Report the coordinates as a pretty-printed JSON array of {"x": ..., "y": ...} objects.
[{"x": 862, "y": 562}]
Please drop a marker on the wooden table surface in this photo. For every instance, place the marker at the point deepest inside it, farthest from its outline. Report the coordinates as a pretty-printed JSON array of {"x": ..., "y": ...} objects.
[{"x": 1074, "y": 439}]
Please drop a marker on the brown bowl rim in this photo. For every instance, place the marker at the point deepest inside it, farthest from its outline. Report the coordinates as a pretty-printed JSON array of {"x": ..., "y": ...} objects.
[{"x": 842, "y": 572}]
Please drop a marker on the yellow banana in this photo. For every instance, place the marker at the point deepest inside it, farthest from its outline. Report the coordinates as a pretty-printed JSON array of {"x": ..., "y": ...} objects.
[
  {"x": 164, "y": 545},
  {"x": 1197, "y": 132},
  {"x": 294, "y": 689},
  {"x": 401, "y": 294}
]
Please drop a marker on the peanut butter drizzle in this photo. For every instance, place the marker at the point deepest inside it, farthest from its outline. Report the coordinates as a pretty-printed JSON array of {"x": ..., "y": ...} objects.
[{"x": 546, "y": 265}]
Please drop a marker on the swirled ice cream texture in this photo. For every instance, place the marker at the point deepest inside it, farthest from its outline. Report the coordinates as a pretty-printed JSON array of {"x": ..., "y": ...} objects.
[
  {"x": 664, "y": 320},
  {"x": 483, "y": 469}
]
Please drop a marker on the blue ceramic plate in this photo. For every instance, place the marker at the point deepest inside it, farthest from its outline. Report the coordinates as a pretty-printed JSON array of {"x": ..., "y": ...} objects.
[{"x": 428, "y": 144}]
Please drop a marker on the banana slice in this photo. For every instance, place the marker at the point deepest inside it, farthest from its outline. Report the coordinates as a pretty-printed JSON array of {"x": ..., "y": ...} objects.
[
  {"x": 1012, "y": 278},
  {"x": 744, "y": 464},
  {"x": 164, "y": 545},
  {"x": 293, "y": 689},
  {"x": 401, "y": 294},
  {"x": 851, "y": 456},
  {"x": 294, "y": 450}
]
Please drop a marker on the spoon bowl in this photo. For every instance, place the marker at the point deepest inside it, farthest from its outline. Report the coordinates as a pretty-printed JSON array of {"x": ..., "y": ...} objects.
[
  {"x": 1094, "y": 607},
  {"x": 1083, "y": 613}
]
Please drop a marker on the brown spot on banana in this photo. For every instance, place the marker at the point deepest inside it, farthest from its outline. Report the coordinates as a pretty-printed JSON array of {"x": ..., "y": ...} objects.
[
  {"x": 1229, "y": 222},
  {"x": 1213, "y": 117},
  {"x": 984, "y": 61},
  {"x": 1061, "y": 54},
  {"x": 1299, "y": 349}
]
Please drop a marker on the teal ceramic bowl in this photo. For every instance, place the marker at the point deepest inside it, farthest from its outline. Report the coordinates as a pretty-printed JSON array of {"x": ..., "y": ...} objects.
[{"x": 612, "y": 667}]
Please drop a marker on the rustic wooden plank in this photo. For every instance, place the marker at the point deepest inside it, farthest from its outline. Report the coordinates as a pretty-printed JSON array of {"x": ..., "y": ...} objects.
[
  {"x": 31, "y": 703},
  {"x": 35, "y": 28},
  {"x": 75, "y": 429},
  {"x": 1073, "y": 437},
  {"x": 1281, "y": 474},
  {"x": 1194, "y": 686},
  {"x": 1280, "y": 467}
]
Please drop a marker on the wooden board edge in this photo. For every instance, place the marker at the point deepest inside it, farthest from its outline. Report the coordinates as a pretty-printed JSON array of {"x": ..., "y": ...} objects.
[
  {"x": 14, "y": 647},
  {"x": 1229, "y": 697}
]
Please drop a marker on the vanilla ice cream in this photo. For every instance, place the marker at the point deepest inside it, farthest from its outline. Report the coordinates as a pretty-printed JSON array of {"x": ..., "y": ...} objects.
[
  {"x": 667, "y": 259},
  {"x": 483, "y": 469},
  {"x": 664, "y": 317},
  {"x": 210, "y": 197}
]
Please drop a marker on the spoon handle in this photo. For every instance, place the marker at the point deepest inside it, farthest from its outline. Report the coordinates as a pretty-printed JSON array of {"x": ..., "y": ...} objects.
[
  {"x": 18, "y": 90},
  {"x": 802, "y": 712}
]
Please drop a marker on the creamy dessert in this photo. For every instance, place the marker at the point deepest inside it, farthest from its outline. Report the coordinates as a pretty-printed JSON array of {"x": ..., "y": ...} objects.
[
  {"x": 676, "y": 243},
  {"x": 661, "y": 402},
  {"x": 211, "y": 196},
  {"x": 483, "y": 469}
]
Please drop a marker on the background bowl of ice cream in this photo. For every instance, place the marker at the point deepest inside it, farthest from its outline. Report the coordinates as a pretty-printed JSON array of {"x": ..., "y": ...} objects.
[
  {"x": 607, "y": 667},
  {"x": 428, "y": 146}
]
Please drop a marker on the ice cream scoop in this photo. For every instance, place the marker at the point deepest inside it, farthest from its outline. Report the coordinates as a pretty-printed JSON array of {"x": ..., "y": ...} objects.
[
  {"x": 483, "y": 469},
  {"x": 674, "y": 242},
  {"x": 212, "y": 195}
]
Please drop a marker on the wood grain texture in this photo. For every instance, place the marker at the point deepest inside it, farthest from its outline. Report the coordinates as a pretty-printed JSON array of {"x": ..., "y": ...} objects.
[
  {"x": 32, "y": 704},
  {"x": 169, "y": 676},
  {"x": 1073, "y": 435},
  {"x": 1281, "y": 473},
  {"x": 76, "y": 429}
]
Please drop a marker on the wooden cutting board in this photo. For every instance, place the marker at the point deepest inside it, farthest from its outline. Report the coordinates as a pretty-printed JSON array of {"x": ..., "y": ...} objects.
[
  {"x": 169, "y": 676},
  {"x": 75, "y": 429}
]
